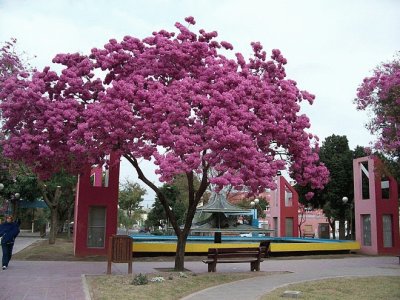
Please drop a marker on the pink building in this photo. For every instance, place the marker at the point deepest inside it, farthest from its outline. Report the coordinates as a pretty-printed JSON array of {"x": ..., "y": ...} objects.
[
  {"x": 311, "y": 223},
  {"x": 376, "y": 207}
]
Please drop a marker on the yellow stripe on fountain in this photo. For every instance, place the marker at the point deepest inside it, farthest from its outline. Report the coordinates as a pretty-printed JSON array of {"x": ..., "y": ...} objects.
[{"x": 169, "y": 247}]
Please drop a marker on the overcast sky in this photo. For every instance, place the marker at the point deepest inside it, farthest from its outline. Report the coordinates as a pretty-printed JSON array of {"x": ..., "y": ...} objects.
[{"x": 330, "y": 45}]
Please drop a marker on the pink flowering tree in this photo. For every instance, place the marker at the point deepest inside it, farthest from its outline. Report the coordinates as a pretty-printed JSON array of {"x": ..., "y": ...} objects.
[
  {"x": 380, "y": 94},
  {"x": 10, "y": 61},
  {"x": 174, "y": 98}
]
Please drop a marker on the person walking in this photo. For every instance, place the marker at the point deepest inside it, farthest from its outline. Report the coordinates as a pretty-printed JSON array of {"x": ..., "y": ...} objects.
[{"x": 9, "y": 230}]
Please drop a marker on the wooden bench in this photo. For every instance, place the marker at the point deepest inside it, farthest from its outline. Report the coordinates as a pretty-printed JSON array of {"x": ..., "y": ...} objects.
[
  {"x": 308, "y": 234},
  {"x": 252, "y": 255}
]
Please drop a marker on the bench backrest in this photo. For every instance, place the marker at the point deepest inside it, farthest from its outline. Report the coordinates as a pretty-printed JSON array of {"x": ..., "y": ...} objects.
[{"x": 258, "y": 252}]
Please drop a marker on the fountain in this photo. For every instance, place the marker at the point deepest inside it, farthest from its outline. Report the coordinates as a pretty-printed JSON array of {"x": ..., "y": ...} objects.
[{"x": 219, "y": 216}]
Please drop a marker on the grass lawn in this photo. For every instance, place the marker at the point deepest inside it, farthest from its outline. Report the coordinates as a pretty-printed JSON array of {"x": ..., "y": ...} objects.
[
  {"x": 344, "y": 288},
  {"x": 174, "y": 285},
  {"x": 62, "y": 250}
]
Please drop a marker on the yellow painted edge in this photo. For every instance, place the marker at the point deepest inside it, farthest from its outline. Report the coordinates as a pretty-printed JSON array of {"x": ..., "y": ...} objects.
[
  {"x": 289, "y": 247},
  {"x": 275, "y": 247}
]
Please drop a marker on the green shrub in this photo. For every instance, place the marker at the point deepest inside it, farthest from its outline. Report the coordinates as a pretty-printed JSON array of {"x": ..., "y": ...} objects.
[{"x": 140, "y": 279}]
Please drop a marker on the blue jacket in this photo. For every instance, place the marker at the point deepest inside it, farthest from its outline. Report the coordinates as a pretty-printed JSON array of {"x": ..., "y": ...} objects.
[{"x": 8, "y": 232}]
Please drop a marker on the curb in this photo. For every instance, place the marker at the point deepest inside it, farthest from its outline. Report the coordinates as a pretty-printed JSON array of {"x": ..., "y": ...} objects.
[{"x": 85, "y": 287}]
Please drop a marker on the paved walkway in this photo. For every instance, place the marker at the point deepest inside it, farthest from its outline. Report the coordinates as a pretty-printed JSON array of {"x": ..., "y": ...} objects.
[{"x": 30, "y": 280}]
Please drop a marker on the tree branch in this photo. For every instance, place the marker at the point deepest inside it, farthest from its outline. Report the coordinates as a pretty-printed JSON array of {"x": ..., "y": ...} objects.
[
  {"x": 171, "y": 216},
  {"x": 54, "y": 201}
]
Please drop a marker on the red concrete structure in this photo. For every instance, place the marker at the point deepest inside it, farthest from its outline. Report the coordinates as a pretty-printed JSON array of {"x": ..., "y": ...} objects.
[
  {"x": 376, "y": 207},
  {"x": 284, "y": 207},
  {"x": 96, "y": 208}
]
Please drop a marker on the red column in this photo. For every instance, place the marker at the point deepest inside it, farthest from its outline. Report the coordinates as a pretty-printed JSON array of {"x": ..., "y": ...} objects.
[{"x": 97, "y": 189}]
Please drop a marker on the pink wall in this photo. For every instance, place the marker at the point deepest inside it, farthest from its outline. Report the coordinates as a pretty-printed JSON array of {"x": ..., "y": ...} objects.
[
  {"x": 313, "y": 219},
  {"x": 375, "y": 206}
]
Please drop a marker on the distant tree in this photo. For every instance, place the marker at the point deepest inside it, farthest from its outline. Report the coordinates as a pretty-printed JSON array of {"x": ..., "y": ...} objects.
[
  {"x": 129, "y": 221},
  {"x": 129, "y": 201},
  {"x": 130, "y": 197},
  {"x": 173, "y": 98},
  {"x": 181, "y": 184},
  {"x": 59, "y": 194},
  {"x": 360, "y": 151},
  {"x": 261, "y": 207},
  {"x": 158, "y": 217},
  {"x": 16, "y": 179},
  {"x": 338, "y": 158}
]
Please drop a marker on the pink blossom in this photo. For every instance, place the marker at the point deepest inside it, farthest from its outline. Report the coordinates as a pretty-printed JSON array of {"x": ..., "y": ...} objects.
[
  {"x": 380, "y": 95},
  {"x": 171, "y": 98},
  {"x": 309, "y": 195},
  {"x": 190, "y": 20},
  {"x": 227, "y": 45}
]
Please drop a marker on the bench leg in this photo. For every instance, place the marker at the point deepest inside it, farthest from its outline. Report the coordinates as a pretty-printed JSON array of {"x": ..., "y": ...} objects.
[
  {"x": 212, "y": 267},
  {"x": 255, "y": 266},
  {"x": 109, "y": 267},
  {"x": 129, "y": 267}
]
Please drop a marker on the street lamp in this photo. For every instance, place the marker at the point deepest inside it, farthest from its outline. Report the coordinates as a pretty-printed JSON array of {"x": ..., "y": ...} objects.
[
  {"x": 14, "y": 200},
  {"x": 253, "y": 204},
  {"x": 345, "y": 200}
]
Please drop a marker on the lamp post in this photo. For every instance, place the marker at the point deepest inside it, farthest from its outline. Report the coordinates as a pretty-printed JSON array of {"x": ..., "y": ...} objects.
[
  {"x": 253, "y": 204},
  {"x": 14, "y": 199},
  {"x": 345, "y": 201}
]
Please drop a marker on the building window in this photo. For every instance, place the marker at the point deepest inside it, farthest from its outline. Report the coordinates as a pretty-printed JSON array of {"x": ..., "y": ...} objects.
[
  {"x": 366, "y": 230},
  {"x": 365, "y": 181},
  {"x": 385, "y": 187},
  {"x": 387, "y": 231},
  {"x": 276, "y": 226},
  {"x": 96, "y": 228},
  {"x": 289, "y": 227},
  {"x": 288, "y": 197}
]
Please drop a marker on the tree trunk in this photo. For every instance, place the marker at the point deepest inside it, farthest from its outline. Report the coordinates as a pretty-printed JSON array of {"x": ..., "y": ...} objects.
[
  {"x": 302, "y": 219},
  {"x": 53, "y": 226},
  {"x": 52, "y": 203},
  {"x": 194, "y": 199},
  {"x": 342, "y": 231},
  {"x": 180, "y": 253}
]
